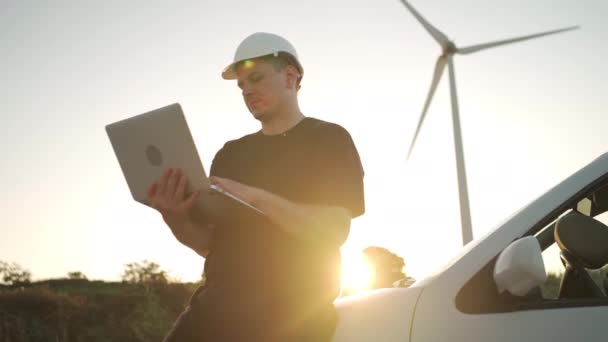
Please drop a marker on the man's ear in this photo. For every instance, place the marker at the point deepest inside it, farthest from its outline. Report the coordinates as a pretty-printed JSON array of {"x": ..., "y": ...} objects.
[{"x": 292, "y": 77}]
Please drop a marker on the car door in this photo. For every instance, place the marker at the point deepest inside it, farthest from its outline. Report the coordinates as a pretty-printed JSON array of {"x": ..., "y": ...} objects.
[{"x": 477, "y": 312}]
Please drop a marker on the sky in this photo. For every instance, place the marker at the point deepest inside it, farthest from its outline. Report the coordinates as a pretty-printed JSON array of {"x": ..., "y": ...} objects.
[{"x": 532, "y": 113}]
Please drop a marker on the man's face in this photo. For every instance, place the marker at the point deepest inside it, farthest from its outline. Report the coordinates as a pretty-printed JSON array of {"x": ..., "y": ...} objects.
[{"x": 263, "y": 87}]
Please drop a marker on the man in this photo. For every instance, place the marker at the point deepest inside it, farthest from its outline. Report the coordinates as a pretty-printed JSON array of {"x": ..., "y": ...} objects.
[{"x": 270, "y": 276}]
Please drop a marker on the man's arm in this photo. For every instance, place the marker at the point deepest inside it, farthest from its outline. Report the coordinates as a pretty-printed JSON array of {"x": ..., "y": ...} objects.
[
  {"x": 194, "y": 235},
  {"x": 315, "y": 223},
  {"x": 326, "y": 224},
  {"x": 168, "y": 197}
]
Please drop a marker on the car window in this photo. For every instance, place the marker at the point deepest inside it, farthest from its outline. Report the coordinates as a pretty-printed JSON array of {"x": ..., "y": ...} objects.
[
  {"x": 602, "y": 218},
  {"x": 601, "y": 276},
  {"x": 480, "y": 294},
  {"x": 555, "y": 268},
  {"x": 555, "y": 272}
]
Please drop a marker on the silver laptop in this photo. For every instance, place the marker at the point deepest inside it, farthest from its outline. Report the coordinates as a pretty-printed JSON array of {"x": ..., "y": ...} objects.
[{"x": 148, "y": 144}]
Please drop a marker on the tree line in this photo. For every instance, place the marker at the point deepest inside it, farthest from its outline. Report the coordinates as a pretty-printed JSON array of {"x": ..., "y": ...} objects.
[{"x": 388, "y": 270}]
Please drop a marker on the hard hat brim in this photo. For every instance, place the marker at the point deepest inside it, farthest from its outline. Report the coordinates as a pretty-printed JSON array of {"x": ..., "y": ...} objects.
[{"x": 229, "y": 72}]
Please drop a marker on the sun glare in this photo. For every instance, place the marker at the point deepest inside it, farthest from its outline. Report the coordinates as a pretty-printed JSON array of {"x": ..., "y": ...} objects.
[{"x": 357, "y": 274}]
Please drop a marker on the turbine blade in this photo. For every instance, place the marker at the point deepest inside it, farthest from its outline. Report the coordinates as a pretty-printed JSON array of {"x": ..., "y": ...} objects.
[
  {"x": 475, "y": 48},
  {"x": 439, "y": 66},
  {"x": 438, "y": 35}
]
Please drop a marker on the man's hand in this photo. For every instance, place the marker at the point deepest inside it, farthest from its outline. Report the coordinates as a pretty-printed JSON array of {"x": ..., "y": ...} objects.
[
  {"x": 247, "y": 193},
  {"x": 167, "y": 195}
]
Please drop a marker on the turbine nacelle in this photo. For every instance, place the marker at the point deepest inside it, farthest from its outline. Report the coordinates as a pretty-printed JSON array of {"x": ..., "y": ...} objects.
[{"x": 449, "y": 48}]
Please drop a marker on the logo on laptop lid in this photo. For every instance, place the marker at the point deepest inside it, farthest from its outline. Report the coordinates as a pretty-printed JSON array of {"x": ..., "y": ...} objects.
[{"x": 154, "y": 156}]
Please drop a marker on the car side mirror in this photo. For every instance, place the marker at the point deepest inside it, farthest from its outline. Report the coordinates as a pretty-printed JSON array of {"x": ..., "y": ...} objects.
[{"x": 519, "y": 267}]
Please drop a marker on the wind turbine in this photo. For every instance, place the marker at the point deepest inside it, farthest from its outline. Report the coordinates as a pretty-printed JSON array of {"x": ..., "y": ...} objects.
[{"x": 448, "y": 49}]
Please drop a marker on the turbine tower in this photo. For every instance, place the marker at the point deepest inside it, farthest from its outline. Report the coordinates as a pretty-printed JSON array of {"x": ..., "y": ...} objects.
[{"x": 448, "y": 50}]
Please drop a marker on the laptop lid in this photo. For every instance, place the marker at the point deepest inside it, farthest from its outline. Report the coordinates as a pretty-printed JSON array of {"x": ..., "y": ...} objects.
[{"x": 148, "y": 144}]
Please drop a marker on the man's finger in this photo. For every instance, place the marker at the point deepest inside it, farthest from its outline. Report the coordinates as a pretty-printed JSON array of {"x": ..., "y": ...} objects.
[
  {"x": 171, "y": 184},
  {"x": 181, "y": 187},
  {"x": 152, "y": 201},
  {"x": 152, "y": 190},
  {"x": 162, "y": 184}
]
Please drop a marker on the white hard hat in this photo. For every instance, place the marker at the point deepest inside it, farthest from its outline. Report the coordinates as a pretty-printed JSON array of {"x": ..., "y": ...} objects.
[{"x": 261, "y": 44}]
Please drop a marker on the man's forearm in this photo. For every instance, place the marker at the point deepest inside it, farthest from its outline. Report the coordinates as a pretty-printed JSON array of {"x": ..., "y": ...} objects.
[
  {"x": 314, "y": 223},
  {"x": 323, "y": 224},
  {"x": 194, "y": 235}
]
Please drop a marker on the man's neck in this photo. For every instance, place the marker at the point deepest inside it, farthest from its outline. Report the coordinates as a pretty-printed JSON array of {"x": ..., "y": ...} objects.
[{"x": 282, "y": 122}]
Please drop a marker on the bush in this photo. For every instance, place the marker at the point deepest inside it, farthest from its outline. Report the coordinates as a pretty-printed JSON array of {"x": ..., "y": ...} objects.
[
  {"x": 13, "y": 274},
  {"x": 145, "y": 272}
]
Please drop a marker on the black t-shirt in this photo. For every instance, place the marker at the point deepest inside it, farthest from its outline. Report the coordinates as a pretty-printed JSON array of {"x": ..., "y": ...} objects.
[{"x": 315, "y": 162}]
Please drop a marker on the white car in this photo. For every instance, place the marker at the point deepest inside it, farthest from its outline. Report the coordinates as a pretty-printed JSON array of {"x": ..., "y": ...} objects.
[{"x": 497, "y": 288}]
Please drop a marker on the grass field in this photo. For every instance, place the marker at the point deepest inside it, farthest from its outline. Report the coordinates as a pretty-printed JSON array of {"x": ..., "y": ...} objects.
[{"x": 81, "y": 310}]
